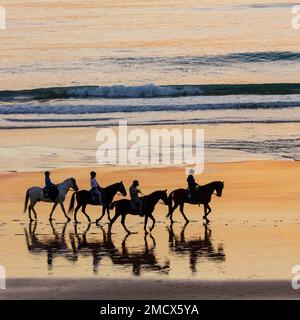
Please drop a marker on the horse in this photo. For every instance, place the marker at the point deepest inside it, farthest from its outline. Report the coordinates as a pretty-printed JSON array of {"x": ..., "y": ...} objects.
[
  {"x": 123, "y": 207},
  {"x": 83, "y": 198},
  {"x": 36, "y": 194},
  {"x": 203, "y": 196}
]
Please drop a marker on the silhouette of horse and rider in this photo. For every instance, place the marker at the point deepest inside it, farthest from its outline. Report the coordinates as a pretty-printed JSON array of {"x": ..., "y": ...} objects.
[{"x": 142, "y": 206}]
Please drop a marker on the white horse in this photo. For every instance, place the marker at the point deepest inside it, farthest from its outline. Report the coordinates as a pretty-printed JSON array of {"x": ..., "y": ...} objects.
[{"x": 36, "y": 194}]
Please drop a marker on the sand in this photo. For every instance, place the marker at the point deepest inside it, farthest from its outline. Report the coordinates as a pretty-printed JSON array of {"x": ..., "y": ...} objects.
[{"x": 257, "y": 220}]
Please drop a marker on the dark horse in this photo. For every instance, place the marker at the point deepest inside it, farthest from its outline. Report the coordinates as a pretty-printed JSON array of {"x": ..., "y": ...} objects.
[
  {"x": 83, "y": 198},
  {"x": 203, "y": 196},
  {"x": 123, "y": 207}
]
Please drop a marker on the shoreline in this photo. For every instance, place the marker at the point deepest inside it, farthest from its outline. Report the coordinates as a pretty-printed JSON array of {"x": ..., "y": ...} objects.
[{"x": 40, "y": 149}]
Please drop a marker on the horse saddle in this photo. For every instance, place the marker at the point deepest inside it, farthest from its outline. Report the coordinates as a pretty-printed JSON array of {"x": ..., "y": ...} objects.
[
  {"x": 192, "y": 194},
  {"x": 50, "y": 193},
  {"x": 46, "y": 193},
  {"x": 134, "y": 207},
  {"x": 94, "y": 197}
]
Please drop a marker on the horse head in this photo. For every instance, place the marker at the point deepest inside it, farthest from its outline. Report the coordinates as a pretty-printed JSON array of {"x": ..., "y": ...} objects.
[
  {"x": 74, "y": 184},
  {"x": 219, "y": 185},
  {"x": 121, "y": 189},
  {"x": 163, "y": 196}
]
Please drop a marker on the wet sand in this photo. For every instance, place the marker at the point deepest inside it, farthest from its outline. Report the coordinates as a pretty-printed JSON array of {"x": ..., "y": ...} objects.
[{"x": 254, "y": 225}]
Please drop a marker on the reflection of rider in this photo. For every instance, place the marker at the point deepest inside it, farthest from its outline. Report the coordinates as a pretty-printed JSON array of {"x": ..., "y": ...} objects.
[
  {"x": 192, "y": 185},
  {"x": 95, "y": 187},
  {"x": 50, "y": 187},
  {"x": 134, "y": 196}
]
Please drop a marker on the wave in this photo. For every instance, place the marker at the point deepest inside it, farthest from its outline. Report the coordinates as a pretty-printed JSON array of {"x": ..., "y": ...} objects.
[
  {"x": 99, "y": 123},
  {"x": 60, "y": 109},
  {"x": 210, "y": 60},
  {"x": 149, "y": 91}
]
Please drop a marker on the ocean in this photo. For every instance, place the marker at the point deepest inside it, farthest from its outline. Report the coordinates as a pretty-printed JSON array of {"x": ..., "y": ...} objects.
[{"x": 94, "y": 63}]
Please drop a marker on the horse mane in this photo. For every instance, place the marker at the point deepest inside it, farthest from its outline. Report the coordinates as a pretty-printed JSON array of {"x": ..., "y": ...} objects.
[
  {"x": 151, "y": 194},
  {"x": 65, "y": 181},
  {"x": 112, "y": 185},
  {"x": 210, "y": 184}
]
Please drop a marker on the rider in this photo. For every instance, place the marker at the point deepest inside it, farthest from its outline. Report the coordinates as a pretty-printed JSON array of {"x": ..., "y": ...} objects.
[
  {"x": 50, "y": 187},
  {"x": 192, "y": 184},
  {"x": 95, "y": 187},
  {"x": 134, "y": 195}
]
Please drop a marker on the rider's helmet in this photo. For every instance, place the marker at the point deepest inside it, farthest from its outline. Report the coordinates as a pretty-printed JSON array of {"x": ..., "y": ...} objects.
[
  {"x": 135, "y": 183},
  {"x": 47, "y": 173},
  {"x": 93, "y": 174},
  {"x": 192, "y": 172}
]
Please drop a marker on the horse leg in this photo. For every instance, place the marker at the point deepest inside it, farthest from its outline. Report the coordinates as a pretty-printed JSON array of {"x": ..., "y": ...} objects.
[
  {"x": 182, "y": 212},
  {"x": 83, "y": 210},
  {"x": 103, "y": 213},
  {"x": 108, "y": 213},
  {"x": 64, "y": 211},
  {"x": 53, "y": 208},
  {"x": 30, "y": 207},
  {"x": 208, "y": 212},
  {"x": 112, "y": 221},
  {"x": 75, "y": 212},
  {"x": 35, "y": 215},
  {"x": 123, "y": 223},
  {"x": 153, "y": 224},
  {"x": 29, "y": 212},
  {"x": 145, "y": 225},
  {"x": 209, "y": 208},
  {"x": 172, "y": 211}
]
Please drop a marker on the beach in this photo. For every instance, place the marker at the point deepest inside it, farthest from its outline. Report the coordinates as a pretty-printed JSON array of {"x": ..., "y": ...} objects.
[
  {"x": 249, "y": 253},
  {"x": 74, "y": 74}
]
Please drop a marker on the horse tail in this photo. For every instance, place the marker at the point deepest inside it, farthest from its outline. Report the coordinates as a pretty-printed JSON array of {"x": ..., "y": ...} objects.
[
  {"x": 170, "y": 203},
  {"x": 26, "y": 200},
  {"x": 72, "y": 203},
  {"x": 112, "y": 205}
]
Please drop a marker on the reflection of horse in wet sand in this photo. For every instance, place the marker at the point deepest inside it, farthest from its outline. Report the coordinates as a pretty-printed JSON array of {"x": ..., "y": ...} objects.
[
  {"x": 143, "y": 259},
  {"x": 123, "y": 207},
  {"x": 98, "y": 248},
  {"x": 84, "y": 198},
  {"x": 54, "y": 247},
  {"x": 199, "y": 248},
  {"x": 203, "y": 196},
  {"x": 36, "y": 194}
]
